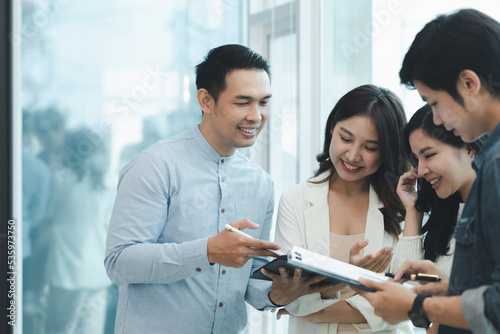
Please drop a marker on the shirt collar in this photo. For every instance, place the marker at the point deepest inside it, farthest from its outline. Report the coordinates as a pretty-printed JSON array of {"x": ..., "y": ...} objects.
[
  {"x": 208, "y": 149},
  {"x": 493, "y": 138}
]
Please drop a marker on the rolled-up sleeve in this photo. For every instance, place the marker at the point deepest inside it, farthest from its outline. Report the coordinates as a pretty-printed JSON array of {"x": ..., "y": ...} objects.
[
  {"x": 472, "y": 302},
  {"x": 489, "y": 234}
]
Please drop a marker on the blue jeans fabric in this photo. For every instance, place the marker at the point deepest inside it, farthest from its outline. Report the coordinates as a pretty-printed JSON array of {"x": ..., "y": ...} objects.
[{"x": 477, "y": 254}]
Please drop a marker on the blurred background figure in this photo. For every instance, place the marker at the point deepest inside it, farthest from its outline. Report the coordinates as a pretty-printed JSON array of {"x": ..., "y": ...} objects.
[
  {"x": 79, "y": 216},
  {"x": 50, "y": 130},
  {"x": 152, "y": 131},
  {"x": 36, "y": 187}
]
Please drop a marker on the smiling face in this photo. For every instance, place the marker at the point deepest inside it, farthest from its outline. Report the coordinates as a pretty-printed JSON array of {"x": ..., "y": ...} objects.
[
  {"x": 239, "y": 114},
  {"x": 354, "y": 148},
  {"x": 450, "y": 113},
  {"x": 446, "y": 168}
]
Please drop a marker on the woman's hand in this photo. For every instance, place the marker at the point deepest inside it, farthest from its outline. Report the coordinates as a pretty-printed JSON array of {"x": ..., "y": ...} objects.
[
  {"x": 407, "y": 188},
  {"x": 340, "y": 312},
  {"x": 375, "y": 262},
  {"x": 285, "y": 288}
]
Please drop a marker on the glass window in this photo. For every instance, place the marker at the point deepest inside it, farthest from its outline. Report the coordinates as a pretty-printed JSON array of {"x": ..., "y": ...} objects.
[
  {"x": 100, "y": 82},
  {"x": 395, "y": 24}
]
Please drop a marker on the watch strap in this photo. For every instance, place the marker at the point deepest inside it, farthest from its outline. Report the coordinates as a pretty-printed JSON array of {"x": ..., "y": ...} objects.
[
  {"x": 419, "y": 301},
  {"x": 418, "y": 309}
]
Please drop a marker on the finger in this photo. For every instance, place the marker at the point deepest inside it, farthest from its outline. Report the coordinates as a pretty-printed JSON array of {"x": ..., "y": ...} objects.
[
  {"x": 245, "y": 223},
  {"x": 282, "y": 312},
  {"x": 383, "y": 266},
  {"x": 315, "y": 279},
  {"x": 320, "y": 287},
  {"x": 407, "y": 267},
  {"x": 376, "y": 261},
  {"x": 283, "y": 272},
  {"x": 358, "y": 246},
  {"x": 261, "y": 252},
  {"x": 371, "y": 284},
  {"x": 382, "y": 259},
  {"x": 368, "y": 295},
  {"x": 413, "y": 267},
  {"x": 297, "y": 275},
  {"x": 432, "y": 288},
  {"x": 406, "y": 178},
  {"x": 365, "y": 261},
  {"x": 261, "y": 244},
  {"x": 269, "y": 274}
]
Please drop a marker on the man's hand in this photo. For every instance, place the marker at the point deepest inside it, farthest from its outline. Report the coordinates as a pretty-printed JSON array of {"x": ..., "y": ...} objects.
[
  {"x": 375, "y": 262},
  {"x": 391, "y": 301},
  {"x": 425, "y": 267},
  {"x": 286, "y": 289},
  {"x": 433, "y": 329},
  {"x": 234, "y": 250}
]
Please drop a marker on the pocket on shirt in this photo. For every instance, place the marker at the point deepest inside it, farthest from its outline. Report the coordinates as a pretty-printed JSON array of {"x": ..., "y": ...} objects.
[
  {"x": 464, "y": 231},
  {"x": 466, "y": 271}
]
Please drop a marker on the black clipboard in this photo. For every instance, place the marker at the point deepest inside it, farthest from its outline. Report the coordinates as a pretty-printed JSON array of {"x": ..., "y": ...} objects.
[{"x": 283, "y": 261}]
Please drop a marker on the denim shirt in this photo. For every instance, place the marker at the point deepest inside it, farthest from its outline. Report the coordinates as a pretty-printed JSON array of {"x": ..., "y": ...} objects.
[
  {"x": 476, "y": 267},
  {"x": 170, "y": 200}
]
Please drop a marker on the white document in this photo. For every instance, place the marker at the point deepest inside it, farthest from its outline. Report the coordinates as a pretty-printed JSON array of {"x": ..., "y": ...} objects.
[{"x": 326, "y": 266}]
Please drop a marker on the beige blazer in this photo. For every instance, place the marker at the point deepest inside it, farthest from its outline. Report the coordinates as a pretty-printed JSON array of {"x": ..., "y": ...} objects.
[{"x": 303, "y": 220}]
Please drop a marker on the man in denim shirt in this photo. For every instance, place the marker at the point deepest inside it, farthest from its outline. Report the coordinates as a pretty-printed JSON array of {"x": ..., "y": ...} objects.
[
  {"x": 179, "y": 270},
  {"x": 454, "y": 63}
]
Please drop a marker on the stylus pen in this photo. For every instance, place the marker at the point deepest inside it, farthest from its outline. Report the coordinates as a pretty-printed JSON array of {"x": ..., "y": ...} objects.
[
  {"x": 416, "y": 277},
  {"x": 233, "y": 229}
]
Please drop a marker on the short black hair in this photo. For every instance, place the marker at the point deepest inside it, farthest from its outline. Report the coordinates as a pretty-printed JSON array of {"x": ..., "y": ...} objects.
[
  {"x": 219, "y": 62},
  {"x": 451, "y": 43}
]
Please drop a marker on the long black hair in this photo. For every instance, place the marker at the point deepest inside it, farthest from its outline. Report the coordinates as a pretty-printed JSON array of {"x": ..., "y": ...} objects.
[
  {"x": 442, "y": 213},
  {"x": 387, "y": 112}
]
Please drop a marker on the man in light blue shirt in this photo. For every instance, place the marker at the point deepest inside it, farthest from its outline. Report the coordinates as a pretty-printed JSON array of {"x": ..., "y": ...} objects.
[{"x": 178, "y": 269}]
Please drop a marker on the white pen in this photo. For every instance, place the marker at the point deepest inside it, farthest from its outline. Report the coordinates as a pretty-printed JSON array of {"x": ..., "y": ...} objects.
[{"x": 233, "y": 229}]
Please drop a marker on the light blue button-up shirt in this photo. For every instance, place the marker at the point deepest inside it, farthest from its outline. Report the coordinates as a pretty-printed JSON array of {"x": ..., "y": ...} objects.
[{"x": 170, "y": 200}]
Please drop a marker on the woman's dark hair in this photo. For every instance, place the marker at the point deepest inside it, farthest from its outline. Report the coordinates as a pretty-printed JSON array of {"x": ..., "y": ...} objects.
[
  {"x": 449, "y": 44},
  {"x": 385, "y": 109},
  {"x": 443, "y": 213}
]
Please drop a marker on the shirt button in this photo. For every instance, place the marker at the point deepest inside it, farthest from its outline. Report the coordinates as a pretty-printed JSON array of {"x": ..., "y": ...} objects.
[
  {"x": 222, "y": 161},
  {"x": 198, "y": 269},
  {"x": 222, "y": 210},
  {"x": 221, "y": 304},
  {"x": 222, "y": 179},
  {"x": 223, "y": 272}
]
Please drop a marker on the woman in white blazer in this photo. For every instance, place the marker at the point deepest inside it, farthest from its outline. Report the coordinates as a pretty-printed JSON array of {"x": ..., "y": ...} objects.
[{"x": 351, "y": 198}]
